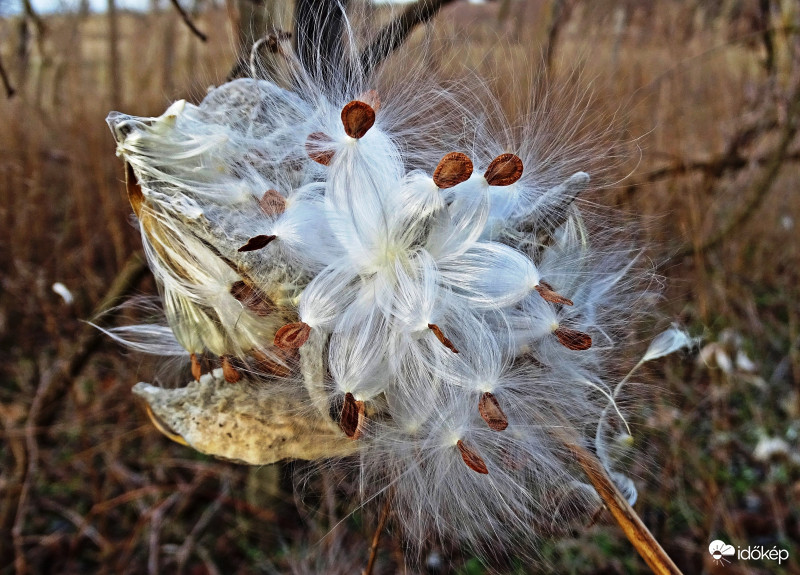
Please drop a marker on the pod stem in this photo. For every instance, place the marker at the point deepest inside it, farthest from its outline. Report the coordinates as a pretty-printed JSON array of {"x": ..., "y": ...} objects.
[
  {"x": 630, "y": 522},
  {"x": 376, "y": 538}
]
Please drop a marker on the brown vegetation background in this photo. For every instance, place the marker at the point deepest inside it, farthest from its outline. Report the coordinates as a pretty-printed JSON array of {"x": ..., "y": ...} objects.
[{"x": 709, "y": 92}]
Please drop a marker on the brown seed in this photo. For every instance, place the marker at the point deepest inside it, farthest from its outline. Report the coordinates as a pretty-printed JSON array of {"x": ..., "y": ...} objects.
[
  {"x": 504, "y": 170},
  {"x": 253, "y": 298},
  {"x": 440, "y": 336},
  {"x": 372, "y": 98},
  {"x": 471, "y": 458},
  {"x": 256, "y": 243},
  {"x": 263, "y": 363},
  {"x": 228, "y": 371},
  {"x": 453, "y": 169},
  {"x": 319, "y": 147},
  {"x": 513, "y": 458},
  {"x": 357, "y": 117},
  {"x": 352, "y": 419},
  {"x": 197, "y": 369},
  {"x": 134, "y": 189},
  {"x": 292, "y": 335},
  {"x": 546, "y": 291},
  {"x": 492, "y": 414},
  {"x": 274, "y": 39},
  {"x": 573, "y": 339},
  {"x": 272, "y": 203}
]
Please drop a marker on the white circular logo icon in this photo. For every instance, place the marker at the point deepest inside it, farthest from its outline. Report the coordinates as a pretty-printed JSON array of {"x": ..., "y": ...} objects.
[{"x": 719, "y": 550}]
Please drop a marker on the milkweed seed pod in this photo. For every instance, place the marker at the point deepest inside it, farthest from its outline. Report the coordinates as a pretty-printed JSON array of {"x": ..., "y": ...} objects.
[{"x": 369, "y": 272}]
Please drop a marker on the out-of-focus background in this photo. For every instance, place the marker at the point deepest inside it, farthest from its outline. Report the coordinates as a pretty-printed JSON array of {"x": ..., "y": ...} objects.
[{"x": 705, "y": 93}]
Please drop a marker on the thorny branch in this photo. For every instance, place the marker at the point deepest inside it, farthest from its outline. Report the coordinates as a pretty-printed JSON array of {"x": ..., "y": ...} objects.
[{"x": 188, "y": 21}]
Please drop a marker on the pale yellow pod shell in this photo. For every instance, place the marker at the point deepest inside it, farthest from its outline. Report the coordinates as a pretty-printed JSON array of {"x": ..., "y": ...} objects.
[{"x": 246, "y": 422}]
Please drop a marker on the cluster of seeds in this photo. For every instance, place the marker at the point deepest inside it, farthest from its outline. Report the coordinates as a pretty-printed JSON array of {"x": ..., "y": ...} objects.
[{"x": 454, "y": 338}]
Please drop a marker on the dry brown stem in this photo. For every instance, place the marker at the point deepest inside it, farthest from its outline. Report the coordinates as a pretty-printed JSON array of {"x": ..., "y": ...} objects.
[
  {"x": 633, "y": 527},
  {"x": 376, "y": 538}
]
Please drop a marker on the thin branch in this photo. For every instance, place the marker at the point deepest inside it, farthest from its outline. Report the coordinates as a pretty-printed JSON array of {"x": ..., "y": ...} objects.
[
  {"x": 714, "y": 167},
  {"x": 633, "y": 527},
  {"x": 6, "y": 81},
  {"x": 392, "y": 36},
  {"x": 376, "y": 538},
  {"x": 31, "y": 14},
  {"x": 188, "y": 21},
  {"x": 560, "y": 11},
  {"x": 763, "y": 184},
  {"x": 182, "y": 555},
  {"x": 56, "y": 383}
]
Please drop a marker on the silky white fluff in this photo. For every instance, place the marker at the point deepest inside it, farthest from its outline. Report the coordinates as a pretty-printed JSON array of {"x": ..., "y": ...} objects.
[{"x": 478, "y": 323}]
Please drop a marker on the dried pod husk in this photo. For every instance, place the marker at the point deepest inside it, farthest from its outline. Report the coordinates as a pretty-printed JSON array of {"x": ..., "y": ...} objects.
[
  {"x": 471, "y": 458},
  {"x": 504, "y": 170},
  {"x": 452, "y": 169},
  {"x": 573, "y": 339},
  {"x": 441, "y": 337},
  {"x": 357, "y": 117},
  {"x": 491, "y": 412},
  {"x": 293, "y": 335},
  {"x": 134, "y": 189},
  {"x": 352, "y": 417},
  {"x": 246, "y": 423},
  {"x": 549, "y": 294},
  {"x": 256, "y": 243}
]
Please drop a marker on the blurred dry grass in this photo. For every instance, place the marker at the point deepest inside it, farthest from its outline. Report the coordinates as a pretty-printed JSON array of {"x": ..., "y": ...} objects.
[{"x": 93, "y": 487}]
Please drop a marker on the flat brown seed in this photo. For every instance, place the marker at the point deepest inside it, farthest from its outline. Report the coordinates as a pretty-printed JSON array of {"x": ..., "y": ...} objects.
[
  {"x": 319, "y": 147},
  {"x": 573, "y": 339},
  {"x": 264, "y": 363},
  {"x": 230, "y": 373},
  {"x": 256, "y": 243},
  {"x": 546, "y": 291},
  {"x": 372, "y": 98},
  {"x": 253, "y": 298},
  {"x": 452, "y": 169},
  {"x": 491, "y": 412},
  {"x": 134, "y": 189},
  {"x": 352, "y": 418},
  {"x": 292, "y": 335},
  {"x": 357, "y": 117},
  {"x": 440, "y": 336},
  {"x": 197, "y": 370},
  {"x": 471, "y": 458},
  {"x": 272, "y": 203},
  {"x": 504, "y": 170}
]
